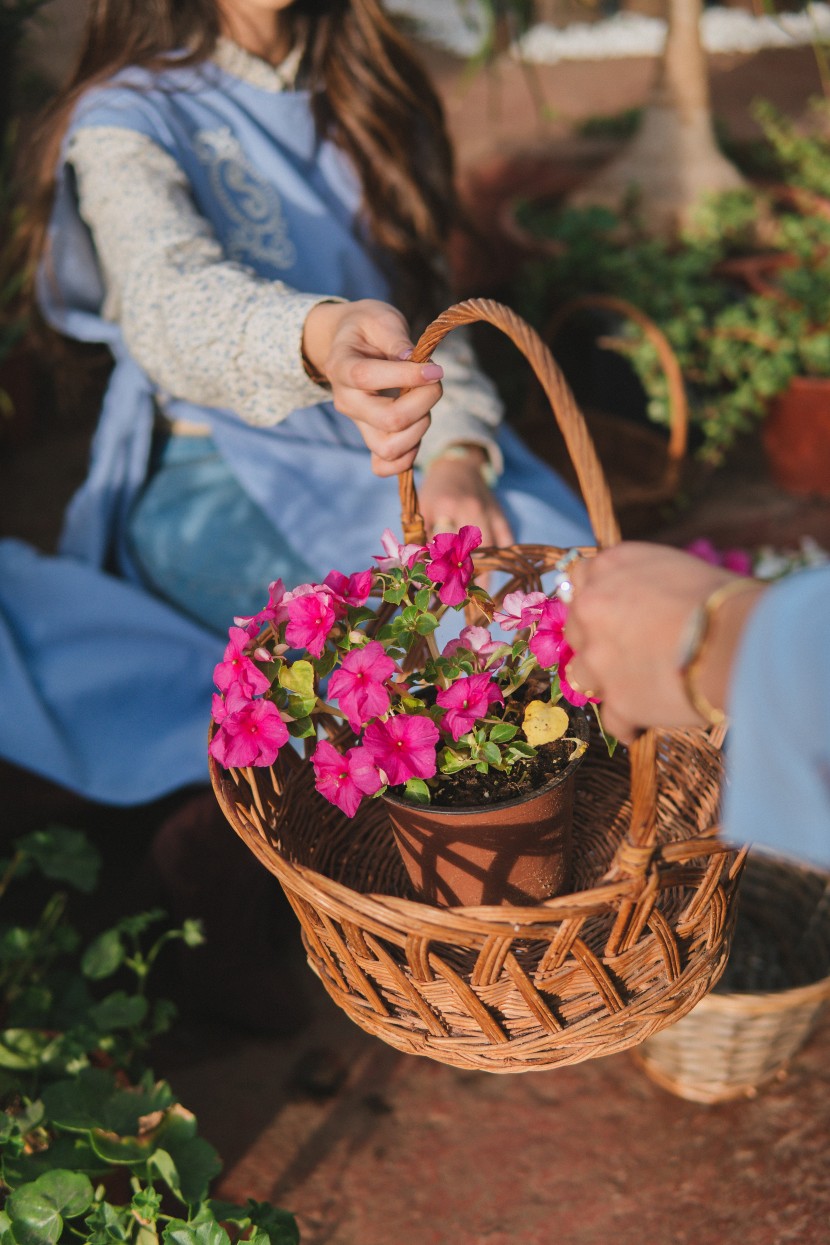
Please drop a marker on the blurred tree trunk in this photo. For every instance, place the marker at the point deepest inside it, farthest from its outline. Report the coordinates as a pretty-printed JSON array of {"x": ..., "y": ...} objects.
[{"x": 673, "y": 160}]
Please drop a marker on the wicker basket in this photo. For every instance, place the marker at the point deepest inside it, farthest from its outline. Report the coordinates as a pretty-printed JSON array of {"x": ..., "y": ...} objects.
[
  {"x": 641, "y": 939},
  {"x": 774, "y": 989}
]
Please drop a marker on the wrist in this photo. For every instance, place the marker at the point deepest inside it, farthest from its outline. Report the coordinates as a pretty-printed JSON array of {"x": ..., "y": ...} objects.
[
  {"x": 471, "y": 452},
  {"x": 318, "y": 333},
  {"x": 715, "y": 633}
]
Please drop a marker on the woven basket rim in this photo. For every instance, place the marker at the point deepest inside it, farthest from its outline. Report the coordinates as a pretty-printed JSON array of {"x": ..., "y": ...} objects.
[
  {"x": 391, "y": 911},
  {"x": 756, "y": 1002}
]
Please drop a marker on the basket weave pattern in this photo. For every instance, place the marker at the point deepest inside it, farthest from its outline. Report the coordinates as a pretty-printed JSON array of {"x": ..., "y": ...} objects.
[
  {"x": 766, "y": 1005},
  {"x": 641, "y": 939}
]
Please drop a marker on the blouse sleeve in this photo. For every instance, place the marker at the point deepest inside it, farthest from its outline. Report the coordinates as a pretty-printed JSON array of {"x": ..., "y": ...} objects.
[
  {"x": 778, "y": 748},
  {"x": 205, "y": 329}
]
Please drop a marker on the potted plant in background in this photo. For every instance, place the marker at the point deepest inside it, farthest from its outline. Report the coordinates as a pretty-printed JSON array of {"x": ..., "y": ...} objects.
[
  {"x": 743, "y": 300},
  {"x": 93, "y": 1146},
  {"x": 485, "y": 729}
]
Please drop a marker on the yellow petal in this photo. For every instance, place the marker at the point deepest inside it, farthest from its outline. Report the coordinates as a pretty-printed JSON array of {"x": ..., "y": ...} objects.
[{"x": 544, "y": 722}]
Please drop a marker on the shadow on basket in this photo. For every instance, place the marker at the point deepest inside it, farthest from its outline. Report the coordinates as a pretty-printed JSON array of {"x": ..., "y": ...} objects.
[{"x": 642, "y": 933}]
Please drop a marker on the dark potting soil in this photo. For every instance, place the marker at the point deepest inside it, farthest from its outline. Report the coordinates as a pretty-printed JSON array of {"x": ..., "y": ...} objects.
[{"x": 468, "y": 788}]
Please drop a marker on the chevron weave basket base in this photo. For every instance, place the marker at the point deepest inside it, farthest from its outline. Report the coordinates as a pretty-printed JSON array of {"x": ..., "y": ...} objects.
[{"x": 505, "y": 989}]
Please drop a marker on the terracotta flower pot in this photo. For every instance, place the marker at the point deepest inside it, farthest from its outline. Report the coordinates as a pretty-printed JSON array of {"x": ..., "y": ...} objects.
[
  {"x": 796, "y": 436},
  {"x": 517, "y": 851}
]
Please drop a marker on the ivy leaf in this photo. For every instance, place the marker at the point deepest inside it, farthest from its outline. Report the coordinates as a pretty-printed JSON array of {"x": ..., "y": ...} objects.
[
  {"x": 278, "y": 1227},
  {"x": 37, "y": 1210},
  {"x": 178, "y": 1232}
]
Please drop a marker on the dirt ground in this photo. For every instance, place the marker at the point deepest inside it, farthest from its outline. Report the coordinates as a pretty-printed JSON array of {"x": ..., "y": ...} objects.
[{"x": 372, "y": 1147}]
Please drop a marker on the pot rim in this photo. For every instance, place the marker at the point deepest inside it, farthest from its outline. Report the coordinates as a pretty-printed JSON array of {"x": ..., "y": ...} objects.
[{"x": 581, "y": 728}]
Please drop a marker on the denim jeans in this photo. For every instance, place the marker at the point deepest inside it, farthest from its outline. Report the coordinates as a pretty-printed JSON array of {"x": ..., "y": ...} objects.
[{"x": 199, "y": 541}]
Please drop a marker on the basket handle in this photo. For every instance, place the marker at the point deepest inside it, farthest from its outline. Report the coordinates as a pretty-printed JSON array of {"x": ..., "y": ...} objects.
[
  {"x": 591, "y": 477},
  {"x": 634, "y": 854},
  {"x": 678, "y": 402}
]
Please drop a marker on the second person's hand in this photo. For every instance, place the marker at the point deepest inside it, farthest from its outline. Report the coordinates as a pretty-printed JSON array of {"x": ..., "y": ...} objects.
[
  {"x": 361, "y": 350},
  {"x": 454, "y": 492}
]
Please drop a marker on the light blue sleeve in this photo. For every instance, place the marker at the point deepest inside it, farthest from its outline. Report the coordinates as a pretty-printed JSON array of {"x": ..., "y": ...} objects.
[{"x": 778, "y": 749}]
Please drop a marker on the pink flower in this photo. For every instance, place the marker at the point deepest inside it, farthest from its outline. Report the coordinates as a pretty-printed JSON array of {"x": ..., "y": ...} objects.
[
  {"x": 546, "y": 642},
  {"x": 311, "y": 617},
  {"x": 237, "y": 669},
  {"x": 476, "y": 641},
  {"x": 451, "y": 565},
  {"x": 359, "y": 683},
  {"x": 570, "y": 694},
  {"x": 350, "y": 589},
  {"x": 519, "y": 609},
  {"x": 403, "y": 747},
  {"x": 344, "y": 779},
  {"x": 467, "y": 700},
  {"x": 737, "y": 560},
  {"x": 396, "y": 554},
  {"x": 705, "y": 550},
  {"x": 252, "y": 735},
  {"x": 274, "y": 612}
]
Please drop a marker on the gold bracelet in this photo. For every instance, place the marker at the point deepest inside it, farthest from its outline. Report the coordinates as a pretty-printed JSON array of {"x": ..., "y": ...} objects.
[{"x": 700, "y": 629}]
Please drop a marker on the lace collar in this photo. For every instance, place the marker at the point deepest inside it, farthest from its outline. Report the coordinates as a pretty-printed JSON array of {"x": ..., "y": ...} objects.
[{"x": 235, "y": 61}]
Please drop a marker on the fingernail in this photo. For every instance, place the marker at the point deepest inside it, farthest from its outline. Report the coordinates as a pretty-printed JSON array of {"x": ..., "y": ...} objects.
[
  {"x": 432, "y": 371},
  {"x": 406, "y": 354}
]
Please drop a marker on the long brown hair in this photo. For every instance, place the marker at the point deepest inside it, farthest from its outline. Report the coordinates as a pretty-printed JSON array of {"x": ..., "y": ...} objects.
[{"x": 370, "y": 96}]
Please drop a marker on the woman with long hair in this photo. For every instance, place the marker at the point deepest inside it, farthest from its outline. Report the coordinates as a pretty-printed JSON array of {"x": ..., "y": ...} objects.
[{"x": 248, "y": 202}]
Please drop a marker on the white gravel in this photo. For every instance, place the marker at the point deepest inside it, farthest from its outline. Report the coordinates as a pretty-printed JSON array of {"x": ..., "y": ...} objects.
[{"x": 460, "y": 26}]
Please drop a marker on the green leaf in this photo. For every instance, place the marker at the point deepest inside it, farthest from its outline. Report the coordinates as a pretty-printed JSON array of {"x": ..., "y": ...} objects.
[
  {"x": 118, "y": 1010},
  {"x": 103, "y": 956},
  {"x": 196, "y": 1161},
  {"x": 137, "y": 923},
  {"x": 178, "y": 1232},
  {"x": 106, "y": 1223},
  {"x": 426, "y": 624},
  {"x": 303, "y": 728},
  {"x": 299, "y": 679},
  {"x": 422, "y": 598},
  {"x": 93, "y": 1099},
  {"x": 491, "y": 753},
  {"x": 394, "y": 594},
  {"x": 63, "y": 856},
  {"x": 37, "y": 1210},
  {"x": 503, "y": 732},
  {"x": 417, "y": 791},
  {"x": 611, "y": 741},
  {"x": 273, "y": 1225},
  {"x": 26, "y": 1048}
]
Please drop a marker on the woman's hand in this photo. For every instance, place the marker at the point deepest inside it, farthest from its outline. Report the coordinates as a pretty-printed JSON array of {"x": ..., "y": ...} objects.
[
  {"x": 453, "y": 493},
  {"x": 627, "y": 623},
  {"x": 361, "y": 350}
]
